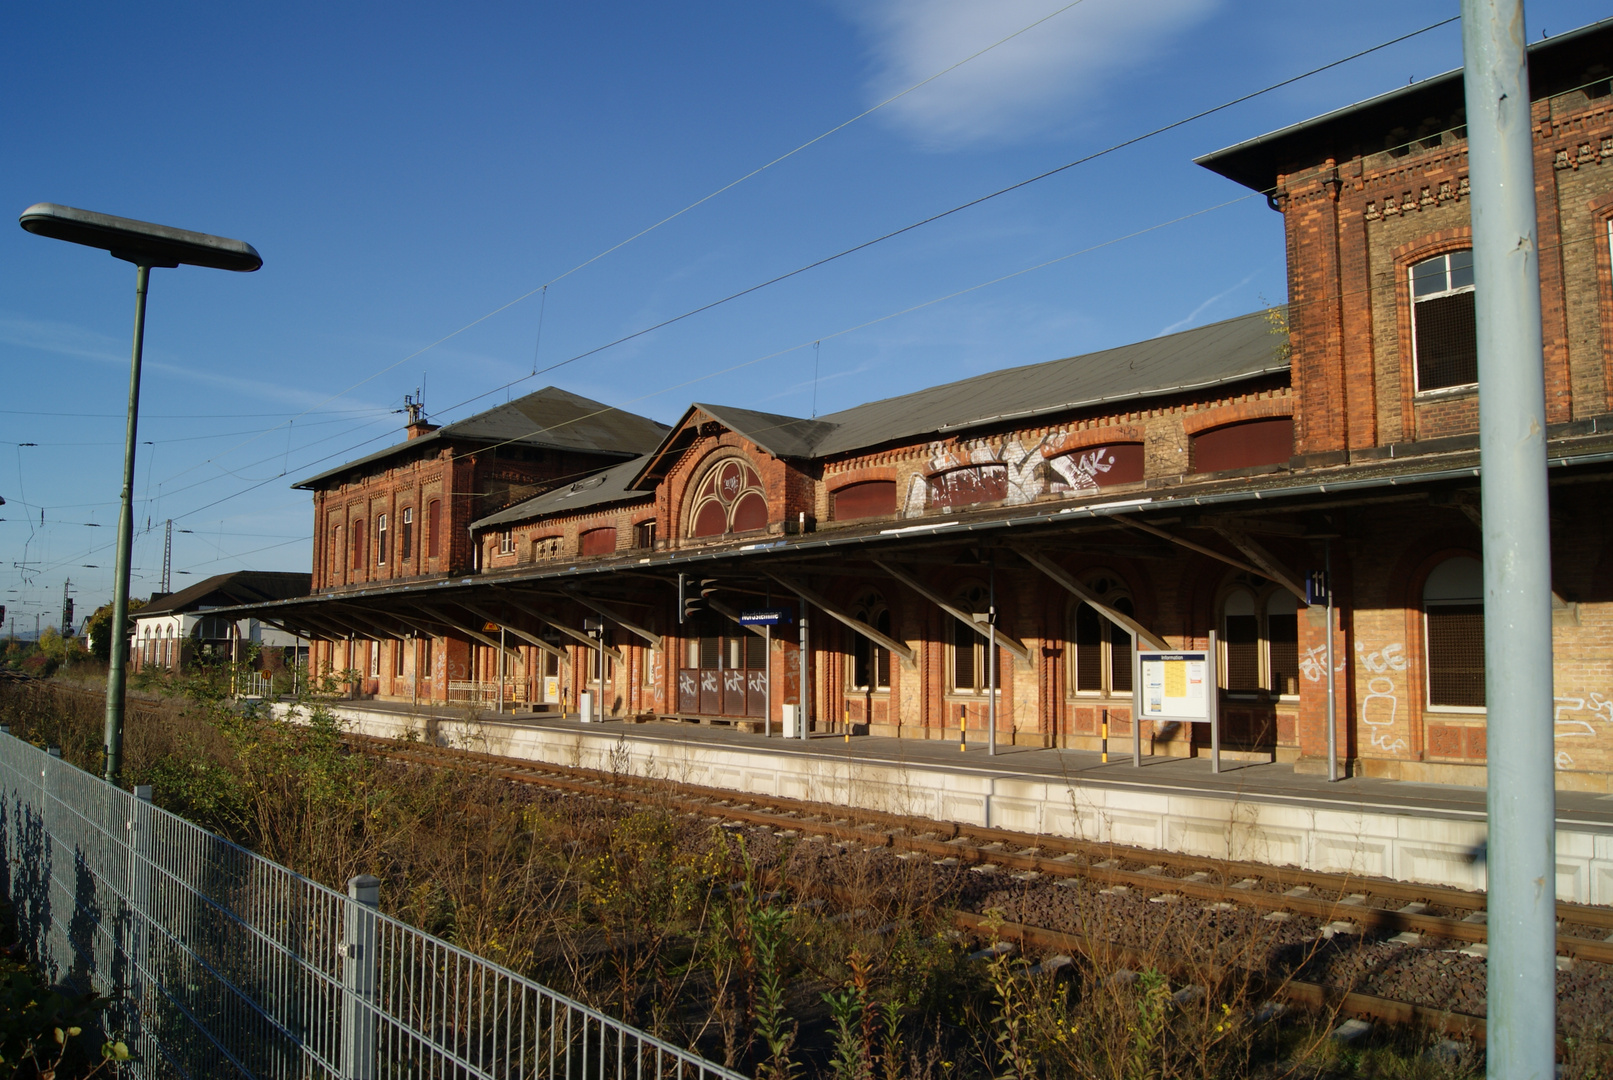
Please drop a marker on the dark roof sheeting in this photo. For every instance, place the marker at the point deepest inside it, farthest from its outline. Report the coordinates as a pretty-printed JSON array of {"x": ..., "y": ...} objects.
[
  {"x": 227, "y": 590},
  {"x": 1556, "y": 65},
  {"x": 1236, "y": 349},
  {"x": 782, "y": 436},
  {"x": 550, "y": 418},
  {"x": 607, "y": 486}
]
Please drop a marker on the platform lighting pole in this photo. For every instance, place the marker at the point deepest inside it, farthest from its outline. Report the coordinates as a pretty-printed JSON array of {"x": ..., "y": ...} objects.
[
  {"x": 1332, "y": 723},
  {"x": 146, "y": 245},
  {"x": 1521, "y": 1026},
  {"x": 991, "y": 659},
  {"x": 805, "y": 691}
]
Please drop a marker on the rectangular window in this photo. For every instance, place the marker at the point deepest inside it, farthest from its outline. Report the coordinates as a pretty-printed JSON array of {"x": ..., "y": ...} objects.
[
  {"x": 1283, "y": 632},
  {"x": 380, "y": 540},
  {"x": 1455, "y": 655},
  {"x": 406, "y": 536},
  {"x": 1243, "y": 652},
  {"x": 966, "y": 673},
  {"x": 398, "y": 648},
  {"x": 358, "y": 546},
  {"x": 644, "y": 535},
  {"x": 374, "y": 648},
  {"x": 506, "y": 542},
  {"x": 433, "y": 529},
  {"x": 1444, "y": 338}
]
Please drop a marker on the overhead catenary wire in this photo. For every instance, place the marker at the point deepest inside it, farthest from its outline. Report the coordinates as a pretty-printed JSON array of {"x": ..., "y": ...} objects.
[{"x": 698, "y": 202}]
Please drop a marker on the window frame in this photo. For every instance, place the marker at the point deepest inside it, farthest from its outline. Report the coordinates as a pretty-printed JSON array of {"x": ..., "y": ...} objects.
[
  {"x": 380, "y": 540},
  {"x": 706, "y": 492},
  {"x": 506, "y": 542},
  {"x": 1115, "y": 590},
  {"x": 869, "y": 609},
  {"x": 406, "y": 534},
  {"x": 434, "y": 529},
  {"x": 1413, "y": 300},
  {"x": 966, "y": 600},
  {"x": 1423, "y": 604},
  {"x": 1261, "y": 597}
]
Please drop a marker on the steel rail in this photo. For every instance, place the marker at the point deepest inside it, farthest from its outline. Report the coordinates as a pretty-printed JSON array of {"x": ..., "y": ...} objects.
[{"x": 1075, "y": 859}]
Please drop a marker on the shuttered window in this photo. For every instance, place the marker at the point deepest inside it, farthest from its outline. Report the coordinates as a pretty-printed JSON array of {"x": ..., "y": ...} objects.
[{"x": 1453, "y": 615}]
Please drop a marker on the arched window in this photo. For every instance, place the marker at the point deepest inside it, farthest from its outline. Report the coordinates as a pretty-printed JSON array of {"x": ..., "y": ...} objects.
[
  {"x": 870, "y": 667},
  {"x": 1260, "y": 639},
  {"x": 336, "y": 552},
  {"x": 1444, "y": 337},
  {"x": 871, "y": 498},
  {"x": 729, "y": 499},
  {"x": 1244, "y": 445},
  {"x": 1101, "y": 659},
  {"x": 970, "y": 668},
  {"x": 433, "y": 529},
  {"x": 380, "y": 540},
  {"x": 1453, "y": 625},
  {"x": 969, "y": 485},
  {"x": 597, "y": 541},
  {"x": 1098, "y": 467},
  {"x": 358, "y": 546}
]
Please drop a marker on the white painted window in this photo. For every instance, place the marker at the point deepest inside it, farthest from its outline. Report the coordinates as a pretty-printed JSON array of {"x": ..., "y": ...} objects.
[{"x": 1444, "y": 340}]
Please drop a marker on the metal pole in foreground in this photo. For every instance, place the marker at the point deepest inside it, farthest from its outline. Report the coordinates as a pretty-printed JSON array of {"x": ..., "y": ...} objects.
[
  {"x": 991, "y": 664},
  {"x": 1522, "y": 878},
  {"x": 115, "y": 675},
  {"x": 1332, "y": 722}
]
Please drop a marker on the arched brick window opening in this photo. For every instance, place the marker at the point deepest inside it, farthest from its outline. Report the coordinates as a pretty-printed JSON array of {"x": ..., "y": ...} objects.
[
  {"x": 969, "y": 485},
  {"x": 970, "y": 652},
  {"x": 871, "y": 498},
  {"x": 358, "y": 545},
  {"x": 433, "y": 529},
  {"x": 597, "y": 542},
  {"x": 1244, "y": 445},
  {"x": 1098, "y": 467},
  {"x": 1260, "y": 639},
  {"x": 728, "y": 500},
  {"x": 1101, "y": 658},
  {"x": 1453, "y": 627},
  {"x": 870, "y": 667}
]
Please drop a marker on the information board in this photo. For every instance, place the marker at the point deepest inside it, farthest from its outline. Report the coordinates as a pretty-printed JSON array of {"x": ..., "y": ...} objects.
[{"x": 1175, "y": 686}]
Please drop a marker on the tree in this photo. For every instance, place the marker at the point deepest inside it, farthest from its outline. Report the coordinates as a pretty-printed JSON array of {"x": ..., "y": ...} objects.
[{"x": 97, "y": 628}]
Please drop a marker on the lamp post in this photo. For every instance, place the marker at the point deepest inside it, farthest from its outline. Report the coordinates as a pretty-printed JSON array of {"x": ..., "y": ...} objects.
[{"x": 146, "y": 245}]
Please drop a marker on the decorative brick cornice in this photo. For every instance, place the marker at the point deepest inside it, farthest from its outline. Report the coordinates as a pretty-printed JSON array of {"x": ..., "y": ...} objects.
[
  {"x": 1236, "y": 412},
  {"x": 1088, "y": 437}
]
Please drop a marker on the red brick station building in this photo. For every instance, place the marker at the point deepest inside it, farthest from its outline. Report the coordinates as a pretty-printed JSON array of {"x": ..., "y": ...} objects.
[{"x": 1156, "y": 491}]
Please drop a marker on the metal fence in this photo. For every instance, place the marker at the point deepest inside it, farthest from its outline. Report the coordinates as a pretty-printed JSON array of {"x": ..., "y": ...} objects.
[{"x": 223, "y": 964}]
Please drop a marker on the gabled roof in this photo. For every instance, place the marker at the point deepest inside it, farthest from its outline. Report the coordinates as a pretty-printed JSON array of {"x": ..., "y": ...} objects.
[
  {"x": 782, "y": 436},
  {"x": 606, "y": 486},
  {"x": 1556, "y": 65},
  {"x": 550, "y": 418},
  {"x": 226, "y": 590}
]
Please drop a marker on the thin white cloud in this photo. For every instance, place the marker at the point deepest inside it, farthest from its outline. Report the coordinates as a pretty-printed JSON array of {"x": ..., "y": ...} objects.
[
  {"x": 63, "y": 339},
  {"x": 1192, "y": 317},
  {"x": 1036, "y": 81}
]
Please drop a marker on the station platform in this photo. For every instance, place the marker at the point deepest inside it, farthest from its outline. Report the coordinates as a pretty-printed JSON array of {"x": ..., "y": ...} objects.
[{"x": 1261, "y": 812}]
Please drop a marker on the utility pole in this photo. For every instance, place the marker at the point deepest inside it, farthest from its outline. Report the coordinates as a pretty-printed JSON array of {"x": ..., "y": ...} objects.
[
  {"x": 1522, "y": 874},
  {"x": 67, "y": 609},
  {"x": 167, "y": 554}
]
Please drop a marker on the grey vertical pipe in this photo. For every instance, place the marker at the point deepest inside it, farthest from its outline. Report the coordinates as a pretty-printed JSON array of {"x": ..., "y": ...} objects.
[
  {"x": 991, "y": 662},
  {"x": 1212, "y": 704},
  {"x": 115, "y": 675},
  {"x": 767, "y": 659},
  {"x": 360, "y": 941},
  {"x": 1522, "y": 877},
  {"x": 805, "y": 693},
  {"x": 1332, "y": 721},
  {"x": 1136, "y": 708}
]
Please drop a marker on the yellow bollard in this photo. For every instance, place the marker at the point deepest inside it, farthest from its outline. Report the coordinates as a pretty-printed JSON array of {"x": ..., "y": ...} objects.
[
  {"x": 963, "y": 726},
  {"x": 848, "y": 723},
  {"x": 1106, "y": 736}
]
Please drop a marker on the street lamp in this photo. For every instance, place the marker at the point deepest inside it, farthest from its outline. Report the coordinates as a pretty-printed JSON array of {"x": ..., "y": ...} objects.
[{"x": 146, "y": 245}]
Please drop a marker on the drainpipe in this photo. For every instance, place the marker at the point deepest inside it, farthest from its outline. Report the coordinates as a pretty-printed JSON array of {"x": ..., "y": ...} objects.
[{"x": 1522, "y": 874}]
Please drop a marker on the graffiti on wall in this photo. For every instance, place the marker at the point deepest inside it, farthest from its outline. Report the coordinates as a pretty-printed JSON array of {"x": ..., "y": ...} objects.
[
  {"x": 1380, "y": 706},
  {"x": 1313, "y": 665},
  {"x": 655, "y": 677},
  {"x": 1575, "y": 717}
]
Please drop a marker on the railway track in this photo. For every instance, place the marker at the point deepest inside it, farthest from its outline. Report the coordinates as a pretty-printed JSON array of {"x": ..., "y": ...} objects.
[
  {"x": 1372, "y": 904},
  {"x": 1364, "y": 905}
]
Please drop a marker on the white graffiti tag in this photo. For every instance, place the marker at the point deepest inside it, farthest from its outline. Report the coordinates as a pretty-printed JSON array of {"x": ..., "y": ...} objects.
[
  {"x": 1379, "y": 710},
  {"x": 1388, "y": 658},
  {"x": 1313, "y": 665}
]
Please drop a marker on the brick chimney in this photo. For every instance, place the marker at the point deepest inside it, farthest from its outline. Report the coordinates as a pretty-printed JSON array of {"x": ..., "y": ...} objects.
[{"x": 417, "y": 425}]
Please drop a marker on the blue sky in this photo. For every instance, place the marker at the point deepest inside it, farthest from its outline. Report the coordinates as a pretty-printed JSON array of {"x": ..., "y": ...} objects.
[{"x": 406, "y": 170}]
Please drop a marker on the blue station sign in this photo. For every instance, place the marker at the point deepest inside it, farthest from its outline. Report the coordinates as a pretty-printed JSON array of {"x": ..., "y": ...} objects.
[{"x": 764, "y": 617}]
